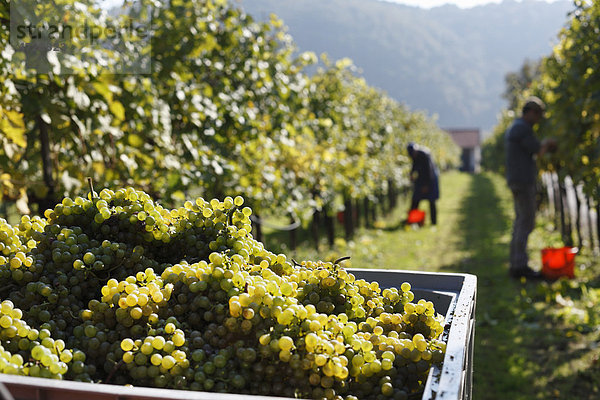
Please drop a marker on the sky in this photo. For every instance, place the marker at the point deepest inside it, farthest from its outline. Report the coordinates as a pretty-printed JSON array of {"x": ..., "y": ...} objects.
[
  {"x": 105, "y": 4},
  {"x": 458, "y": 3},
  {"x": 419, "y": 3}
]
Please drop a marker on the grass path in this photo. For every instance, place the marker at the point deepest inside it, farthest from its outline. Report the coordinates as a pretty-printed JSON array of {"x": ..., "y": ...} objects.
[
  {"x": 473, "y": 236},
  {"x": 512, "y": 335}
]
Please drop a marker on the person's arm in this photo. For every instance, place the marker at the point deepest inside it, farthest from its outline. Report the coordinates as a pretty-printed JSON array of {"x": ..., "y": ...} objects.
[
  {"x": 548, "y": 145},
  {"x": 413, "y": 169},
  {"x": 431, "y": 168},
  {"x": 529, "y": 142}
]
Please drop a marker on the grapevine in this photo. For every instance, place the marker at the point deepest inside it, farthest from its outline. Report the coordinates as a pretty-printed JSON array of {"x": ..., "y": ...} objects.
[{"x": 229, "y": 107}]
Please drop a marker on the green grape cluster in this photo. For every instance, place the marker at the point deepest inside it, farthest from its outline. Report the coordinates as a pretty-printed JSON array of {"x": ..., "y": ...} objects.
[
  {"x": 29, "y": 351},
  {"x": 119, "y": 289}
]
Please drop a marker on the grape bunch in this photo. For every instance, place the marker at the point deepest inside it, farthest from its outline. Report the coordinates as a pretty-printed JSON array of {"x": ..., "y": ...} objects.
[{"x": 115, "y": 288}]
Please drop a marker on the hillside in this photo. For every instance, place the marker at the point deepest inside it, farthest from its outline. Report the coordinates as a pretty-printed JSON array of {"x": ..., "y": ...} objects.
[{"x": 446, "y": 60}]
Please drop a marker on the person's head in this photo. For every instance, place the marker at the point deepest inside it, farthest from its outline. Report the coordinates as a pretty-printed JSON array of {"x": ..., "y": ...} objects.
[
  {"x": 410, "y": 148},
  {"x": 533, "y": 110}
]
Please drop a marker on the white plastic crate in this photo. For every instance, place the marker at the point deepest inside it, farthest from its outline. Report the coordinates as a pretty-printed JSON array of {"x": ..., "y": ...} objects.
[{"x": 454, "y": 296}]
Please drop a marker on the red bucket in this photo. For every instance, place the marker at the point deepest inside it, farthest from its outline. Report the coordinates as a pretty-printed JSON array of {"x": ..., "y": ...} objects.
[
  {"x": 416, "y": 216},
  {"x": 557, "y": 262}
]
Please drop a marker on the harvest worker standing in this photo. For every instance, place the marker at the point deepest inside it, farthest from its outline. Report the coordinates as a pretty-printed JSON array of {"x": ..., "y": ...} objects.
[
  {"x": 424, "y": 175},
  {"x": 521, "y": 173}
]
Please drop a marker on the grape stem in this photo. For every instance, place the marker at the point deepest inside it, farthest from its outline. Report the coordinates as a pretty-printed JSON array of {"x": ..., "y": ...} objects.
[
  {"x": 108, "y": 271},
  {"x": 92, "y": 273},
  {"x": 230, "y": 215},
  {"x": 44, "y": 304},
  {"x": 339, "y": 260},
  {"x": 91, "y": 184},
  {"x": 10, "y": 286},
  {"x": 110, "y": 375},
  {"x": 73, "y": 315}
]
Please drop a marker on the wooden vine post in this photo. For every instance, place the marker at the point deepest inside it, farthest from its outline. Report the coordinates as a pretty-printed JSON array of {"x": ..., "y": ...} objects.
[
  {"x": 293, "y": 233},
  {"x": 314, "y": 228},
  {"x": 348, "y": 226}
]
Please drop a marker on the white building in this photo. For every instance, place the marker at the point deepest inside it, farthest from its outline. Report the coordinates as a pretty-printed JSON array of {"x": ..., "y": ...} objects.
[{"x": 469, "y": 141}]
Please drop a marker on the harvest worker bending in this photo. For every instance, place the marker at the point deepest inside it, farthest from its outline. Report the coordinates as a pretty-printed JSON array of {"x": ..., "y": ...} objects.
[
  {"x": 424, "y": 175},
  {"x": 521, "y": 173}
]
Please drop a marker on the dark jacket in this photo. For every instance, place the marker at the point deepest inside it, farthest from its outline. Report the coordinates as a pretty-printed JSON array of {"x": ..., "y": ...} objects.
[
  {"x": 521, "y": 145},
  {"x": 427, "y": 176}
]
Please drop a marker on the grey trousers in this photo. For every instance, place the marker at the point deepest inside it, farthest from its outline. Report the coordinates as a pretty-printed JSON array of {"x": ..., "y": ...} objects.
[{"x": 525, "y": 207}]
